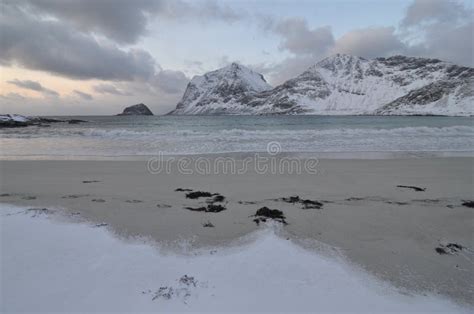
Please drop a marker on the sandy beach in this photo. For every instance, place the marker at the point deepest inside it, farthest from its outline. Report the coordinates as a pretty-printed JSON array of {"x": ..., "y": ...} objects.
[{"x": 392, "y": 232}]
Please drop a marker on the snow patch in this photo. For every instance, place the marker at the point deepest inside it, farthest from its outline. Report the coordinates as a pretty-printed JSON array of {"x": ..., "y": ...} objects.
[
  {"x": 14, "y": 117},
  {"x": 55, "y": 266}
]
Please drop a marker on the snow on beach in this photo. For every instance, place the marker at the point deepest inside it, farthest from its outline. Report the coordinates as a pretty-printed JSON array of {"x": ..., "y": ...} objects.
[{"x": 51, "y": 265}]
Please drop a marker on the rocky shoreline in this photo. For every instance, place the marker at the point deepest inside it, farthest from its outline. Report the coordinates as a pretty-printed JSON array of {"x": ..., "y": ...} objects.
[{"x": 19, "y": 121}]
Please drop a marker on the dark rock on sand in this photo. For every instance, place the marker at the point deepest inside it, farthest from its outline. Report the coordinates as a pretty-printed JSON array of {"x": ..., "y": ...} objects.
[
  {"x": 98, "y": 200},
  {"x": 90, "y": 181},
  {"x": 263, "y": 213},
  {"x": 212, "y": 197},
  {"x": 208, "y": 225},
  {"x": 215, "y": 208},
  {"x": 211, "y": 208},
  {"x": 350, "y": 199},
  {"x": 5, "y": 195},
  {"x": 75, "y": 195},
  {"x": 291, "y": 199},
  {"x": 469, "y": 204},
  {"x": 307, "y": 204},
  {"x": 198, "y": 194},
  {"x": 163, "y": 206},
  {"x": 247, "y": 202},
  {"x": 136, "y": 110},
  {"x": 183, "y": 190},
  {"x": 133, "y": 201},
  {"x": 449, "y": 248},
  {"x": 28, "y": 198},
  {"x": 217, "y": 199},
  {"x": 428, "y": 201},
  {"x": 415, "y": 188},
  {"x": 196, "y": 209},
  {"x": 397, "y": 203}
]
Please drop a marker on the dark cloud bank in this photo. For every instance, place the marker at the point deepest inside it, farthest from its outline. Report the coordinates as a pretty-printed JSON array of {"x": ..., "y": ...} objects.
[{"x": 88, "y": 40}]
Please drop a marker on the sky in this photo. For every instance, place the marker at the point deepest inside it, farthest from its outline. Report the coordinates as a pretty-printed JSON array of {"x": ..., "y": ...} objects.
[{"x": 95, "y": 57}]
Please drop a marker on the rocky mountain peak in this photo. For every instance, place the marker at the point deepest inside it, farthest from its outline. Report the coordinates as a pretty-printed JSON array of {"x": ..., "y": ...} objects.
[
  {"x": 339, "y": 62},
  {"x": 227, "y": 85},
  {"x": 234, "y": 66}
]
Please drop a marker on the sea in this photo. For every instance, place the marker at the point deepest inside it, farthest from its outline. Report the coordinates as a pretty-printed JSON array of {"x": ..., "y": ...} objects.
[{"x": 130, "y": 137}]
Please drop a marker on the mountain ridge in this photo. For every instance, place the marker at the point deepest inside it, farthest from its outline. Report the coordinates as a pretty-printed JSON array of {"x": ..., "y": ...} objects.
[{"x": 338, "y": 85}]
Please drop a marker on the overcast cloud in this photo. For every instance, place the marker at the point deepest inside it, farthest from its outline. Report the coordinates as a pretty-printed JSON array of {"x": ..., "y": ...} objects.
[
  {"x": 83, "y": 95},
  {"x": 126, "y": 21},
  {"x": 110, "y": 89},
  {"x": 370, "y": 42},
  {"x": 435, "y": 11},
  {"x": 298, "y": 38},
  {"x": 35, "y": 86}
]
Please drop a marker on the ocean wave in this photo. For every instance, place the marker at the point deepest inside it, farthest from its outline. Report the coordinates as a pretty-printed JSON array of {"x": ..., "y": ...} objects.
[
  {"x": 459, "y": 130},
  {"x": 76, "y": 141},
  {"x": 447, "y": 131}
]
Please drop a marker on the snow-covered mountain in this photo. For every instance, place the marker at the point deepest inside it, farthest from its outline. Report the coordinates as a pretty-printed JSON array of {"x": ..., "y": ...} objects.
[
  {"x": 339, "y": 85},
  {"x": 223, "y": 91}
]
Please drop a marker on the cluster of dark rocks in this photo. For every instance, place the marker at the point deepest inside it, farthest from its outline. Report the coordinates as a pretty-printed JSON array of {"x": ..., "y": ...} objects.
[
  {"x": 306, "y": 204},
  {"x": 449, "y": 248},
  {"x": 265, "y": 213},
  {"x": 211, "y": 199}
]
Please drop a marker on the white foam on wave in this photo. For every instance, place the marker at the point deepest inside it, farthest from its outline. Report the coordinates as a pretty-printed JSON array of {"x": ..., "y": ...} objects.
[
  {"x": 122, "y": 142},
  {"x": 118, "y": 133},
  {"x": 55, "y": 266}
]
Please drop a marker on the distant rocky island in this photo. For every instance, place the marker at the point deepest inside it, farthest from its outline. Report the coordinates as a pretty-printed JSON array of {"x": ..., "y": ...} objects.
[
  {"x": 136, "y": 110},
  {"x": 338, "y": 85}
]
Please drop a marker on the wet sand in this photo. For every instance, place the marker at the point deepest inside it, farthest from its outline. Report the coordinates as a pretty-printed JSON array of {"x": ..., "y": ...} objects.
[{"x": 391, "y": 232}]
